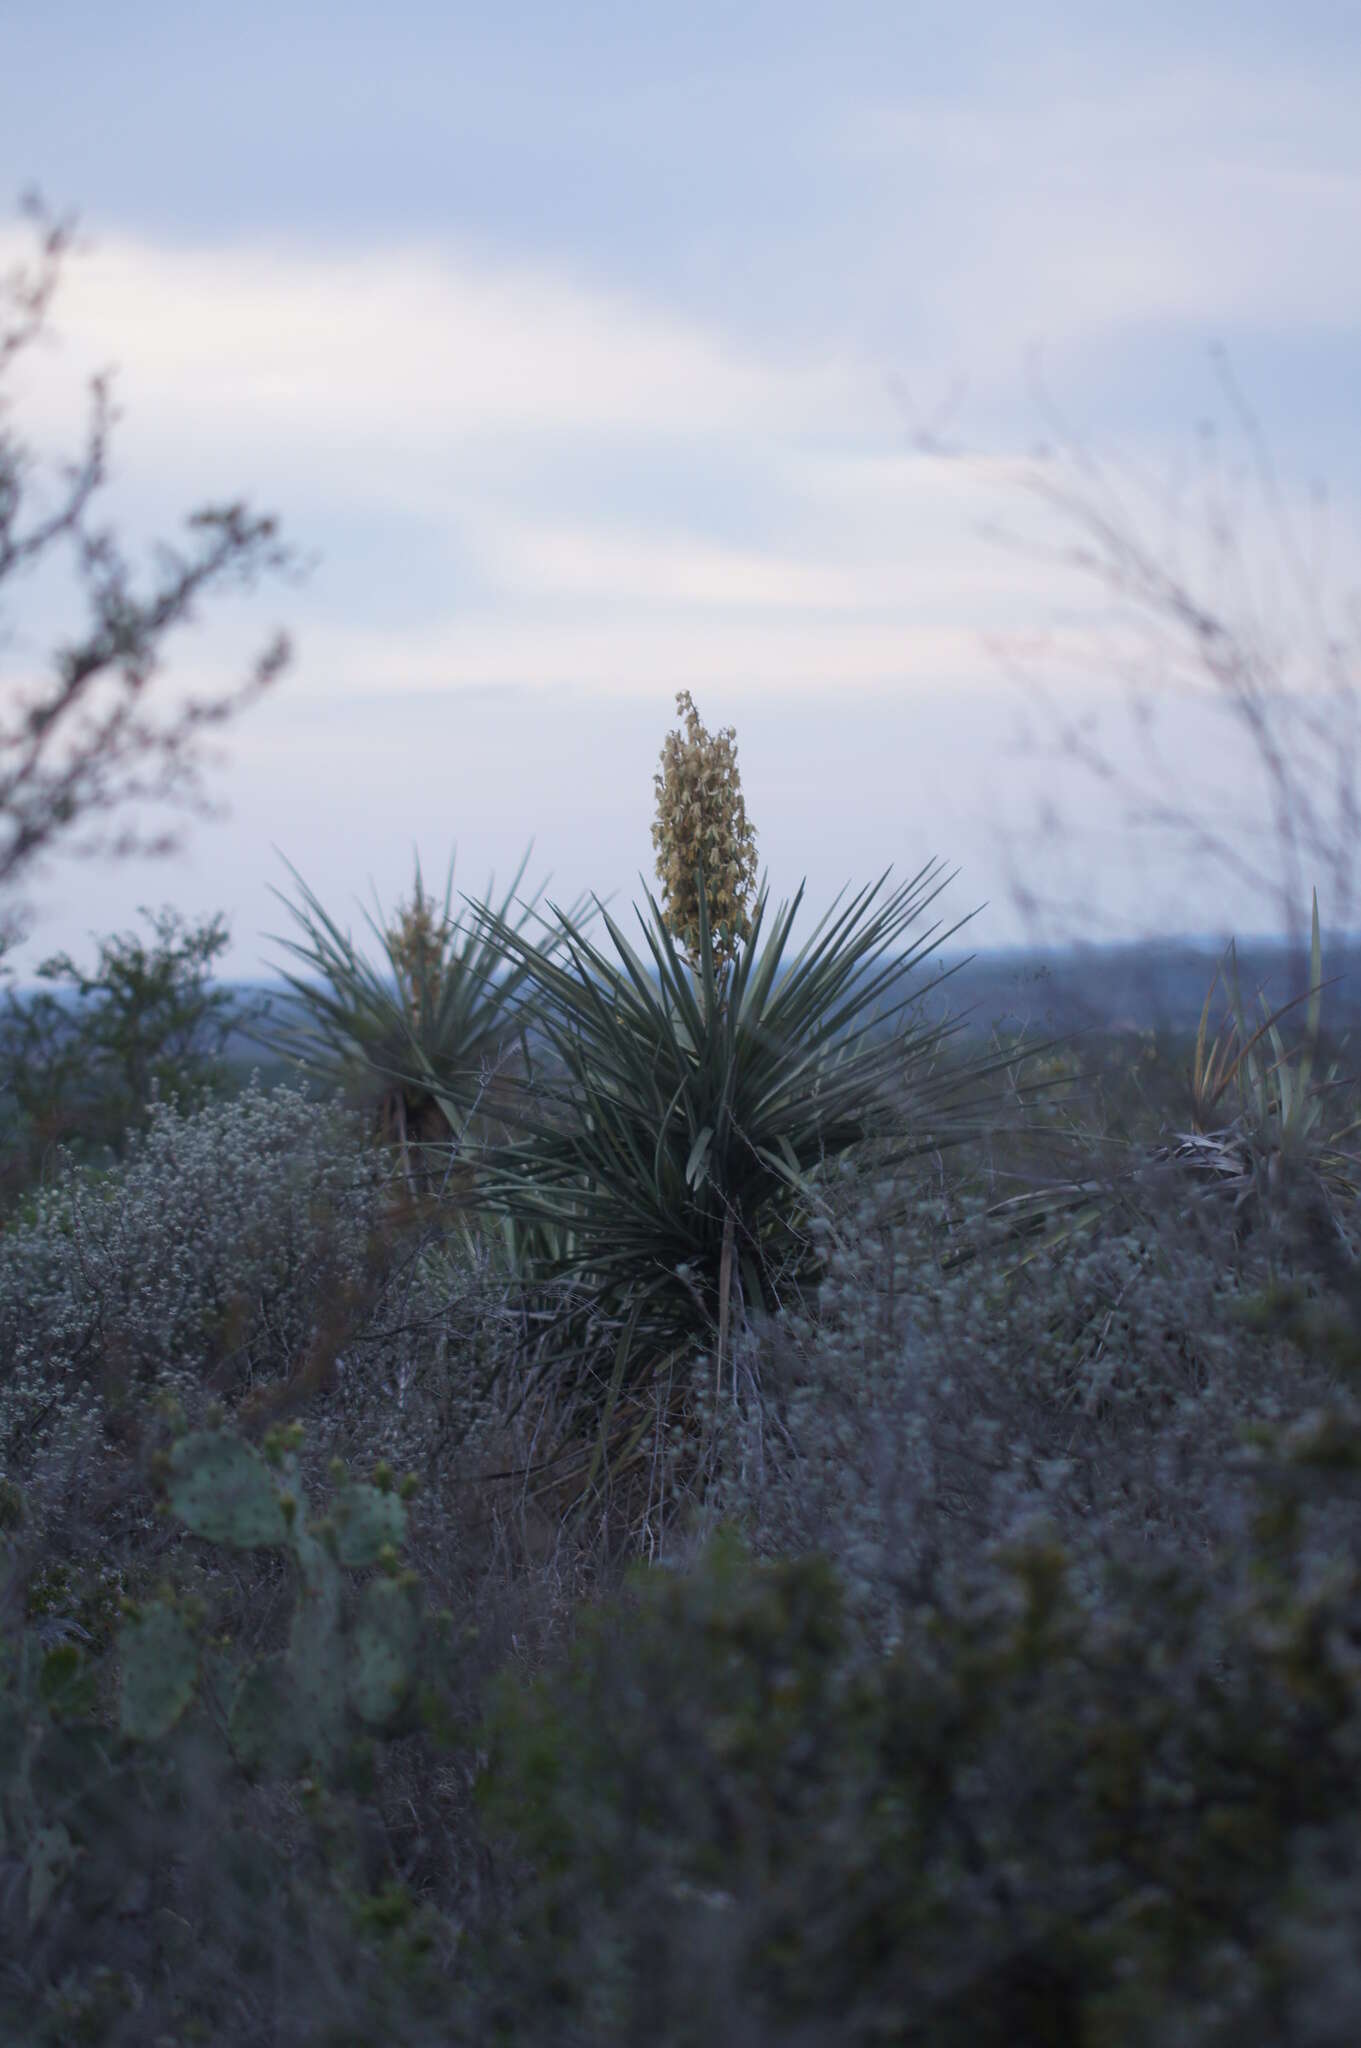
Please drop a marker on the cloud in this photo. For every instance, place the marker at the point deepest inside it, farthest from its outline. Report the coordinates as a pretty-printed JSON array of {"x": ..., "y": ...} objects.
[
  {"x": 624, "y": 656},
  {"x": 405, "y": 346},
  {"x": 416, "y": 388},
  {"x": 1102, "y": 193},
  {"x": 598, "y": 562}
]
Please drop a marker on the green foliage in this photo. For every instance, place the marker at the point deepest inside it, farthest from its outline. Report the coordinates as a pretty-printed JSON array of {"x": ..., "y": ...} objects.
[
  {"x": 726, "y": 1816},
  {"x": 435, "y": 1039},
  {"x": 1034, "y": 1821},
  {"x": 86, "y": 1080}
]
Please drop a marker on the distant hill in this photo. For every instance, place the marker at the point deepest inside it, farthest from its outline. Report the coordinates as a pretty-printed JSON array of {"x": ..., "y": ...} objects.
[{"x": 1051, "y": 991}]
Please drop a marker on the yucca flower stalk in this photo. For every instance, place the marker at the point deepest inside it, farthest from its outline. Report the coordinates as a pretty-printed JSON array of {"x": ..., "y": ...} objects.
[
  {"x": 706, "y": 853},
  {"x": 703, "y": 837},
  {"x": 690, "y": 1131}
]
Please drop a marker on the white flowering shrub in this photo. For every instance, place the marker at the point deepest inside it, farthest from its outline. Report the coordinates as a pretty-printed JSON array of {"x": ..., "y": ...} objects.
[{"x": 213, "y": 1249}]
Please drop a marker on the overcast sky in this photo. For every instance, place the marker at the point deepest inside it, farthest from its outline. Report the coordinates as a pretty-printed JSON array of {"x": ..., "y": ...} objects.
[{"x": 588, "y": 353}]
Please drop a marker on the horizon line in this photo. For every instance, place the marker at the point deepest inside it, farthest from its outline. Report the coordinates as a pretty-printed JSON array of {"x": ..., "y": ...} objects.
[{"x": 1181, "y": 942}]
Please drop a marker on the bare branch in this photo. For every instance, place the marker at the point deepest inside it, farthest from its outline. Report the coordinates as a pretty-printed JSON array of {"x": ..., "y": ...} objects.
[
  {"x": 40, "y": 802},
  {"x": 1243, "y": 677}
]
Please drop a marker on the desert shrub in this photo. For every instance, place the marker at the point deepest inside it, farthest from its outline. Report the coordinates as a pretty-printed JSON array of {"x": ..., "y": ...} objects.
[
  {"x": 207, "y": 1263},
  {"x": 1036, "y": 1820},
  {"x": 915, "y": 1413},
  {"x": 212, "y": 1211},
  {"x": 1013, "y": 1760},
  {"x": 720, "y": 1815}
]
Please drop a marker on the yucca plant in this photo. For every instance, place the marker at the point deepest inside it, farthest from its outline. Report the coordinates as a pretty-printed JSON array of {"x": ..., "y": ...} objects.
[
  {"x": 1272, "y": 1138},
  {"x": 1285, "y": 1109},
  {"x": 1274, "y": 1141},
  {"x": 1269, "y": 1147},
  {"x": 705, "y": 850},
  {"x": 410, "y": 1116},
  {"x": 383, "y": 1049},
  {"x": 690, "y": 1130}
]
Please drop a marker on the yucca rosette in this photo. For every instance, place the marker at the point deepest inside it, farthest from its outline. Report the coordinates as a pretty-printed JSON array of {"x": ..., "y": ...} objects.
[
  {"x": 679, "y": 1155},
  {"x": 1273, "y": 1137},
  {"x": 445, "y": 1038},
  {"x": 1271, "y": 1149}
]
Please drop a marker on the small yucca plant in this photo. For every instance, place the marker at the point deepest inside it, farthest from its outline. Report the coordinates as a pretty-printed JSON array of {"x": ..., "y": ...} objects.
[
  {"x": 1274, "y": 1141},
  {"x": 1277, "y": 1129},
  {"x": 413, "y": 1059},
  {"x": 702, "y": 830}
]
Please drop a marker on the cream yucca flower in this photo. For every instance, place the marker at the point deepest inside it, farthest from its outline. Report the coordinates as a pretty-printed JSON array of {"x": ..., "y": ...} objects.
[{"x": 702, "y": 825}]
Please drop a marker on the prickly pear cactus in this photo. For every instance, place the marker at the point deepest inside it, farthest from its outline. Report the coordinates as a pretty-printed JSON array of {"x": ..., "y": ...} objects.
[
  {"x": 220, "y": 1489},
  {"x": 347, "y": 1657},
  {"x": 383, "y": 1648},
  {"x": 120, "y": 1800},
  {"x": 160, "y": 1672}
]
